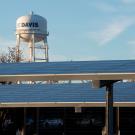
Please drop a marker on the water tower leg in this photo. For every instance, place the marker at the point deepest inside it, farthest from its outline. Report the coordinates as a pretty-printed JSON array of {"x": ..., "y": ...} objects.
[
  {"x": 46, "y": 50},
  {"x": 33, "y": 46},
  {"x": 17, "y": 47},
  {"x": 30, "y": 51}
]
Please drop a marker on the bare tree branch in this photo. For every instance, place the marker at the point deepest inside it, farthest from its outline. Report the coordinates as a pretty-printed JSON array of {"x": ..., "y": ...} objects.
[{"x": 10, "y": 56}]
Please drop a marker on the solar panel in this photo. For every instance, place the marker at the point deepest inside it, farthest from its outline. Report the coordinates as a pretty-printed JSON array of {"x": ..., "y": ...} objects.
[
  {"x": 74, "y": 70},
  {"x": 111, "y": 66},
  {"x": 65, "y": 93}
]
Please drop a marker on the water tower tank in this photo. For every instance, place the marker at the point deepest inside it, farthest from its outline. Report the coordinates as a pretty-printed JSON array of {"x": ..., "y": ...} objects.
[{"x": 31, "y": 24}]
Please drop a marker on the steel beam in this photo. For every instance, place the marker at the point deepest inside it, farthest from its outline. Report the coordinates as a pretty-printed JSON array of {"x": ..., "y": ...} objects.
[{"x": 109, "y": 109}]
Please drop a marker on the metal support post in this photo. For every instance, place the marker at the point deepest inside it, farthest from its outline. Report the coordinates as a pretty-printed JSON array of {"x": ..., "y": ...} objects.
[
  {"x": 37, "y": 121},
  {"x": 24, "y": 130},
  {"x": 109, "y": 109},
  {"x": 117, "y": 121}
]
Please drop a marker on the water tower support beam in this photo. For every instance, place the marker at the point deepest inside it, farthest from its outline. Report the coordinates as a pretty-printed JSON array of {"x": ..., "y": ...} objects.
[
  {"x": 30, "y": 51},
  {"x": 33, "y": 46},
  {"x": 46, "y": 50},
  {"x": 46, "y": 53},
  {"x": 17, "y": 47}
]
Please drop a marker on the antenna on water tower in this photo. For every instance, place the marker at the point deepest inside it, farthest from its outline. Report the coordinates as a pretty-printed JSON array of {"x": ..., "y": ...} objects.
[{"x": 32, "y": 29}]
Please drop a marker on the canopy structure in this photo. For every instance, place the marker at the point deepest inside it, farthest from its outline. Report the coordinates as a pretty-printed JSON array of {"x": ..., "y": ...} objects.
[
  {"x": 74, "y": 70},
  {"x": 111, "y": 71},
  {"x": 64, "y": 95}
]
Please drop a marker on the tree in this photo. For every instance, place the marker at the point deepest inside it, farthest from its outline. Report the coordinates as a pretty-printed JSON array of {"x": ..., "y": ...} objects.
[
  {"x": 11, "y": 56},
  {"x": 8, "y": 57}
]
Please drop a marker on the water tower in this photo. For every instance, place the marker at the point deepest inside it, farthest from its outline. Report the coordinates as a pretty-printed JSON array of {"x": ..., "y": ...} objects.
[{"x": 32, "y": 29}]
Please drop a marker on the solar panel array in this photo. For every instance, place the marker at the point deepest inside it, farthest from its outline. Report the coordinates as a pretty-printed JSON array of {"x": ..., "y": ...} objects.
[
  {"x": 111, "y": 66},
  {"x": 123, "y": 92}
]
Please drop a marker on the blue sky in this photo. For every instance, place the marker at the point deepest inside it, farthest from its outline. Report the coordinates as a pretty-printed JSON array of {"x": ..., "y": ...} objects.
[{"x": 79, "y": 29}]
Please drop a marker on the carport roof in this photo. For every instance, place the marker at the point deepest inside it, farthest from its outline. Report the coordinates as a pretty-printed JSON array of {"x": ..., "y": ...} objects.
[
  {"x": 64, "y": 95},
  {"x": 72, "y": 70}
]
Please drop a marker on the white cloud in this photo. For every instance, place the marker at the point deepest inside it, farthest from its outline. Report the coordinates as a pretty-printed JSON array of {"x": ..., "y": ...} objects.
[{"x": 111, "y": 31}]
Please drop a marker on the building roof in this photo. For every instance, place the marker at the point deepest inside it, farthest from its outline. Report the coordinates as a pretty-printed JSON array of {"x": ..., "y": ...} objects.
[
  {"x": 74, "y": 70},
  {"x": 64, "y": 95}
]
